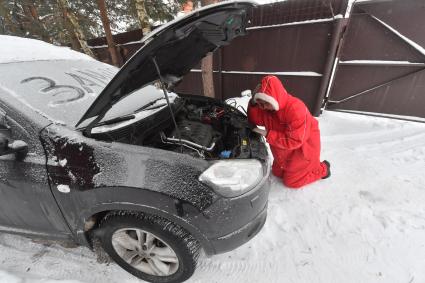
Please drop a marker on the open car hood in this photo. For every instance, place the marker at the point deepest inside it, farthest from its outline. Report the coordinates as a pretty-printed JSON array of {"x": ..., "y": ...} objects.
[{"x": 177, "y": 47}]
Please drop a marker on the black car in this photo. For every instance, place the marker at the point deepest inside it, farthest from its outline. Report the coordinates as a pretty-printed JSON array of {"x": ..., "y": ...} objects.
[{"x": 149, "y": 176}]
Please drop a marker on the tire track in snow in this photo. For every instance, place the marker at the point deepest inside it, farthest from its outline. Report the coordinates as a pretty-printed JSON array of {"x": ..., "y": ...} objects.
[
  {"x": 21, "y": 255},
  {"x": 261, "y": 270},
  {"x": 212, "y": 266}
]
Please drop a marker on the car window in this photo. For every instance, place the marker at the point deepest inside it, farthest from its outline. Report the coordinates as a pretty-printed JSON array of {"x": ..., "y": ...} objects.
[
  {"x": 134, "y": 101},
  {"x": 60, "y": 91}
]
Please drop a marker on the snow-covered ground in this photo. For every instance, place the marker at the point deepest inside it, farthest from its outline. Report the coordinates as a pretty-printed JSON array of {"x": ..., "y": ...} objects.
[{"x": 364, "y": 224}]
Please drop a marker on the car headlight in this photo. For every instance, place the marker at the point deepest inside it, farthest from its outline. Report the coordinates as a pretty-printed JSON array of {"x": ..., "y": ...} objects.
[{"x": 231, "y": 178}]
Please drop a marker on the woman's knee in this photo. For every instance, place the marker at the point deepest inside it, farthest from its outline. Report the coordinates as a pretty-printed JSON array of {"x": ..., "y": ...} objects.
[
  {"x": 292, "y": 184},
  {"x": 277, "y": 170}
]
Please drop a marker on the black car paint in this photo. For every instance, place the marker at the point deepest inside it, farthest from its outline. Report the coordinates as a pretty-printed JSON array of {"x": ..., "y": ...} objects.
[
  {"x": 26, "y": 202},
  {"x": 120, "y": 177},
  {"x": 108, "y": 176},
  {"x": 93, "y": 163},
  {"x": 150, "y": 180}
]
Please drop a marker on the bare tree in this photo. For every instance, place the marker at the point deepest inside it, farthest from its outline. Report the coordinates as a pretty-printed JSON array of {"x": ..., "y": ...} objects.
[
  {"x": 142, "y": 15},
  {"x": 107, "y": 27},
  {"x": 71, "y": 23}
]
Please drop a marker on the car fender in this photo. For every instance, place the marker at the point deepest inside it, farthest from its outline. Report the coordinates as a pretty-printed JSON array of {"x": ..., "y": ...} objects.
[{"x": 80, "y": 207}]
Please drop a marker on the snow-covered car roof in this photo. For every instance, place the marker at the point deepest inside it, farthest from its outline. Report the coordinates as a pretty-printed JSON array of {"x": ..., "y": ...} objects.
[
  {"x": 59, "y": 84},
  {"x": 17, "y": 49},
  {"x": 58, "y": 90},
  {"x": 55, "y": 82}
]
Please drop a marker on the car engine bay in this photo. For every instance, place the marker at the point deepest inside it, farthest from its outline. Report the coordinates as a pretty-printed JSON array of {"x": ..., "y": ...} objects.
[{"x": 206, "y": 129}]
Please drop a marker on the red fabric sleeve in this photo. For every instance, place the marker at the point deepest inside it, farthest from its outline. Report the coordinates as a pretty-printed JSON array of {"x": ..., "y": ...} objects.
[
  {"x": 295, "y": 134},
  {"x": 255, "y": 115}
]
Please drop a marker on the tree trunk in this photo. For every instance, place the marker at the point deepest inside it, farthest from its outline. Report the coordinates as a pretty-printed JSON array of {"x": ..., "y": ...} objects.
[
  {"x": 109, "y": 39},
  {"x": 207, "y": 65},
  {"x": 71, "y": 22},
  {"x": 207, "y": 75},
  {"x": 34, "y": 23},
  {"x": 143, "y": 16},
  {"x": 7, "y": 24}
]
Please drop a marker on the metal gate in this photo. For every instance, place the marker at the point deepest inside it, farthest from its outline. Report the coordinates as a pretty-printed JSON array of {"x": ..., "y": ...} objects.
[
  {"x": 293, "y": 40},
  {"x": 374, "y": 61},
  {"x": 380, "y": 64}
]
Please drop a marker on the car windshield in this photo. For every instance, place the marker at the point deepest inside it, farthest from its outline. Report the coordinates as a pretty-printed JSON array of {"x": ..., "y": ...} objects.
[
  {"x": 63, "y": 90},
  {"x": 144, "y": 99}
]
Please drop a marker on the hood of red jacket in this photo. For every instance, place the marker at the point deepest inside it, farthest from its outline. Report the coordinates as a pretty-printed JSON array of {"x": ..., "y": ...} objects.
[{"x": 273, "y": 88}]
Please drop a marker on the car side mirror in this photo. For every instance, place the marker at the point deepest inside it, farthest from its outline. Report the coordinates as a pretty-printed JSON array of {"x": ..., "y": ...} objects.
[{"x": 20, "y": 148}]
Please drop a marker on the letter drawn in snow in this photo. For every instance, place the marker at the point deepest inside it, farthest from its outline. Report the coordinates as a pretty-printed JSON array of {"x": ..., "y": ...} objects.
[
  {"x": 72, "y": 93},
  {"x": 99, "y": 75},
  {"x": 84, "y": 82}
]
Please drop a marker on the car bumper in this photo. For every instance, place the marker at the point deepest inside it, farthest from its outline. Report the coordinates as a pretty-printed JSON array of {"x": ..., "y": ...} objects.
[
  {"x": 241, "y": 236},
  {"x": 234, "y": 221}
]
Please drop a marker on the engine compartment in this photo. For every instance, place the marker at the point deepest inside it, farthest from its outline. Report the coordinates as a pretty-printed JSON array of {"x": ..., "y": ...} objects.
[
  {"x": 206, "y": 128},
  {"x": 209, "y": 131}
]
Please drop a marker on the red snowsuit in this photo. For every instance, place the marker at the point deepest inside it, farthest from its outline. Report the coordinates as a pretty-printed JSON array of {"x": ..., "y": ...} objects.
[{"x": 292, "y": 133}]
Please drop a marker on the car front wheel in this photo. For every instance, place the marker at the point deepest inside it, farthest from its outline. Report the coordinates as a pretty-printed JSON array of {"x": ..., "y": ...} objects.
[{"x": 149, "y": 247}]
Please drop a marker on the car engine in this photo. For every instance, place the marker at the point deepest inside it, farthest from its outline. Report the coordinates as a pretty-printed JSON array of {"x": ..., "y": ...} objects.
[
  {"x": 210, "y": 131},
  {"x": 206, "y": 128}
]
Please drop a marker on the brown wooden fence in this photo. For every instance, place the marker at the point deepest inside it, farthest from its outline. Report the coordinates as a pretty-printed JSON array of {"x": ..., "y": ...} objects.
[
  {"x": 291, "y": 39},
  {"x": 374, "y": 61}
]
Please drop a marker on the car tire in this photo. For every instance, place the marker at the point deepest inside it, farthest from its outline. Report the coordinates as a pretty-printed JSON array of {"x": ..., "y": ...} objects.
[{"x": 149, "y": 247}]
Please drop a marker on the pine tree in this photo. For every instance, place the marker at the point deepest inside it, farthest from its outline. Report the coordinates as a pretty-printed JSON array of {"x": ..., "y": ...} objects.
[
  {"x": 63, "y": 22},
  {"x": 30, "y": 9},
  {"x": 74, "y": 29},
  {"x": 6, "y": 22},
  {"x": 143, "y": 16},
  {"x": 22, "y": 18}
]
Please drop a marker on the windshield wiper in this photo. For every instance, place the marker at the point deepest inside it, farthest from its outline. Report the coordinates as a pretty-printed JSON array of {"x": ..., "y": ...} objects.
[
  {"x": 132, "y": 116},
  {"x": 116, "y": 120},
  {"x": 154, "y": 107},
  {"x": 149, "y": 104}
]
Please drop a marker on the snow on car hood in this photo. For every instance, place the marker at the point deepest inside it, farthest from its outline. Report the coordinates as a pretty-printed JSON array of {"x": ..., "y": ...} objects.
[
  {"x": 177, "y": 47},
  {"x": 60, "y": 90},
  {"x": 17, "y": 49}
]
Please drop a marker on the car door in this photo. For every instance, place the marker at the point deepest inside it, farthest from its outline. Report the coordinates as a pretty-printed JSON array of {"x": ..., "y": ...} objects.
[{"x": 26, "y": 202}]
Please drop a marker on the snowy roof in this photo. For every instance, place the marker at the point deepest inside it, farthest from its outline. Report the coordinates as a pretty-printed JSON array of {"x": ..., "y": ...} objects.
[{"x": 18, "y": 49}]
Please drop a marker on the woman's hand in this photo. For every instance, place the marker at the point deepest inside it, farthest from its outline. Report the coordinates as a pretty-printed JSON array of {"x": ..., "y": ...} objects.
[{"x": 260, "y": 131}]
